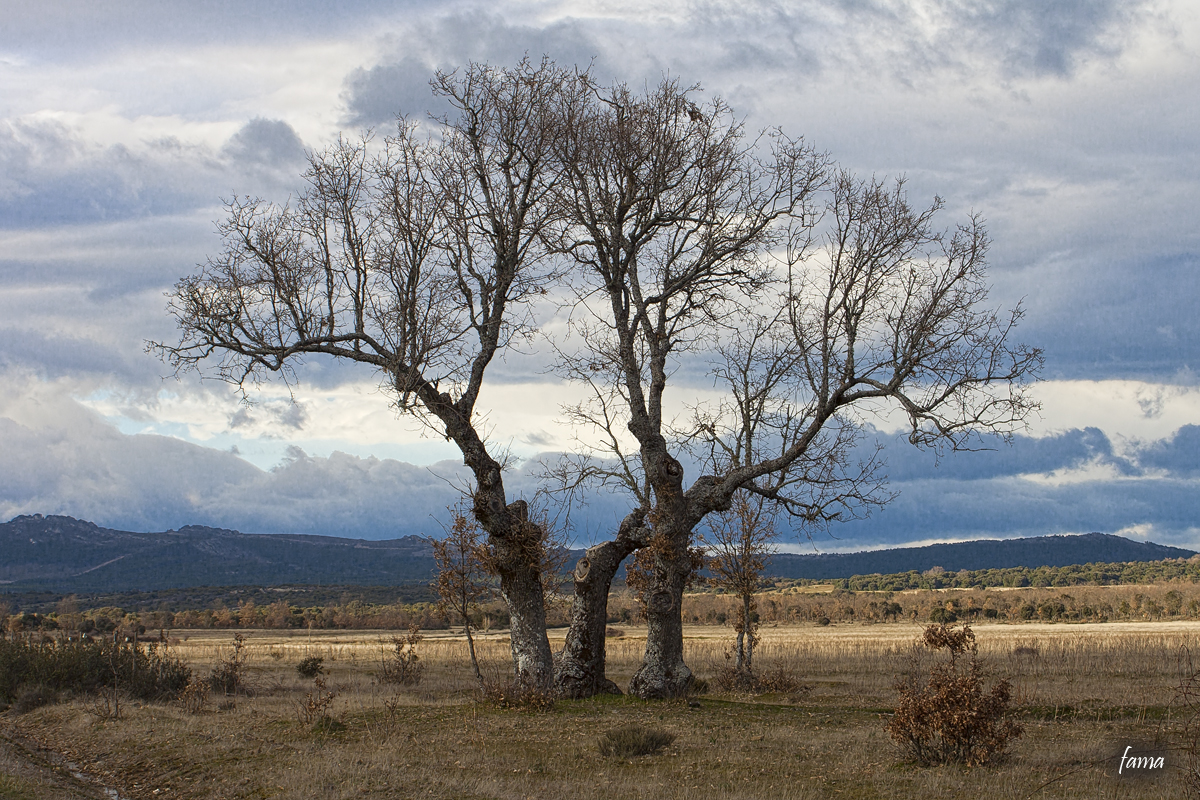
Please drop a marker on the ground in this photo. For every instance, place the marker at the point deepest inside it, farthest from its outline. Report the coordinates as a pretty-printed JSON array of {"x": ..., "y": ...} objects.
[{"x": 1082, "y": 692}]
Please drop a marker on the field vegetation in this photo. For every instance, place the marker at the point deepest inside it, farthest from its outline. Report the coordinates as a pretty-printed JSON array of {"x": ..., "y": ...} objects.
[
  {"x": 1079, "y": 692},
  {"x": 779, "y": 602}
]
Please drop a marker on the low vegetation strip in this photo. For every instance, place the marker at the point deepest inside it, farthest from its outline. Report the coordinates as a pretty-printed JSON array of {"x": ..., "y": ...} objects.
[
  {"x": 783, "y": 603},
  {"x": 1116, "y": 574}
]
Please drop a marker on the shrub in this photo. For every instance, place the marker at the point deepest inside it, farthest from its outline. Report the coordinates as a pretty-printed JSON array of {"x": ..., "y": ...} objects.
[
  {"x": 33, "y": 696},
  {"x": 518, "y": 695},
  {"x": 194, "y": 698},
  {"x": 90, "y": 666},
  {"x": 228, "y": 675},
  {"x": 1187, "y": 698},
  {"x": 328, "y": 726},
  {"x": 310, "y": 667},
  {"x": 779, "y": 679},
  {"x": 634, "y": 740},
  {"x": 315, "y": 705},
  {"x": 949, "y": 717},
  {"x": 404, "y": 665}
]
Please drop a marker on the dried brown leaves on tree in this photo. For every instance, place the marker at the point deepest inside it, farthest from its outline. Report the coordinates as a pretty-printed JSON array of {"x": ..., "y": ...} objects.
[{"x": 462, "y": 574}]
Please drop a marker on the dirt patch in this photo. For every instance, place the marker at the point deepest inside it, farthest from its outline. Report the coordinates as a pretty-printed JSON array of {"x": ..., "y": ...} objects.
[{"x": 28, "y": 773}]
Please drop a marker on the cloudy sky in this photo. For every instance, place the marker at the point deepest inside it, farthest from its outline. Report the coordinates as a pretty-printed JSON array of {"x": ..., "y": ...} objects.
[{"x": 1073, "y": 127}]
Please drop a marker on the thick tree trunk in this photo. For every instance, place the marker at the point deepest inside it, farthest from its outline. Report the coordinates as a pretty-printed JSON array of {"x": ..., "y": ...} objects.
[
  {"x": 663, "y": 673},
  {"x": 514, "y": 559},
  {"x": 579, "y": 667},
  {"x": 521, "y": 588}
]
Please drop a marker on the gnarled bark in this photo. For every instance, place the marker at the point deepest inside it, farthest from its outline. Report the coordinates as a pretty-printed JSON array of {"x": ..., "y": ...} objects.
[
  {"x": 579, "y": 666},
  {"x": 663, "y": 673},
  {"x": 515, "y": 557}
]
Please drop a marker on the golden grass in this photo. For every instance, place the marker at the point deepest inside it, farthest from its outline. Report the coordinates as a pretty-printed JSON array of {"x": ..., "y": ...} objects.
[{"x": 1082, "y": 691}]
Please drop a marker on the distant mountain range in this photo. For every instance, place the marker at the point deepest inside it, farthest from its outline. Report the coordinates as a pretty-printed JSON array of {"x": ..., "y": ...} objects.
[
  {"x": 1035, "y": 551},
  {"x": 67, "y": 554},
  {"x": 63, "y": 554}
]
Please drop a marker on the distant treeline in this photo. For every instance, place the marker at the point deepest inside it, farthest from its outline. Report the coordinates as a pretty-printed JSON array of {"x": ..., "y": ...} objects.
[
  {"x": 788, "y": 606},
  {"x": 865, "y": 598},
  {"x": 1132, "y": 572},
  {"x": 213, "y": 597}
]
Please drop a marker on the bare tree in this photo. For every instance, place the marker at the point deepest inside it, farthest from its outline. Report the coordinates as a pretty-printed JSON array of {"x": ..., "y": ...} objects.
[
  {"x": 462, "y": 577},
  {"x": 737, "y": 545},
  {"x": 419, "y": 259},
  {"x": 815, "y": 294}
]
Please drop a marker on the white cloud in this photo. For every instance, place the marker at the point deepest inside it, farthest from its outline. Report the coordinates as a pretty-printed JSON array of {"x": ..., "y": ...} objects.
[{"x": 1072, "y": 127}]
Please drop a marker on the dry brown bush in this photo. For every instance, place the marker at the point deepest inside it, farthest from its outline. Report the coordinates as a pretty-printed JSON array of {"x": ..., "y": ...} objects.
[
  {"x": 1187, "y": 698},
  {"x": 403, "y": 666},
  {"x": 633, "y": 740},
  {"x": 315, "y": 705},
  {"x": 778, "y": 679},
  {"x": 518, "y": 695},
  {"x": 228, "y": 675},
  {"x": 948, "y": 716},
  {"x": 194, "y": 697}
]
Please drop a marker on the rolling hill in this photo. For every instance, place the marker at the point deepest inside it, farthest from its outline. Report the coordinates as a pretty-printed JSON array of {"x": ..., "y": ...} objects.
[{"x": 63, "y": 554}]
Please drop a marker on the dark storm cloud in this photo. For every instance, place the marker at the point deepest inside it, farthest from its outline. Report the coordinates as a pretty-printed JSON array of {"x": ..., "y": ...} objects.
[
  {"x": 1179, "y": 455},
  {"x": 400, "y": 85},
  {"x": 904, "y": 40},
  {"x": 1039, "y": 38},
  {"x": 1134, "y": 319},
  {"x": 72, "y": 462},
  {"x": 82, "y": 29},
  {"x": 52, "y": 176},
  {"x": 266, "y": 142},
  {"x": 51, "y": 356},
  {"x": 996, "y": 459},
  {"x": 1007, "y": 507},
  {"x": 995, "y": 494}
]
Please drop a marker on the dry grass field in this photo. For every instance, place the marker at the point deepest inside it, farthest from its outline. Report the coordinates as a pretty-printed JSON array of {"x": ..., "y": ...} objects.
[{"x": 1081, "y": 691}]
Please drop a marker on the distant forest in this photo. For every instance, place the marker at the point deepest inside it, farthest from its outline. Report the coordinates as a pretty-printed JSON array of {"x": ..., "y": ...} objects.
[
  {"x": 1156, "y": 590},
  {"x": 1132, "y": 572}
]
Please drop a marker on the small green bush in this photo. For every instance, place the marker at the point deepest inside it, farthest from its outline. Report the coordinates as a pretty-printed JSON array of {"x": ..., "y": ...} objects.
[
  {"x": 328, "y": 726},
  {"x": 35, "y": 696},
  {"x": 634, "y": 740},
  {"x": 942, "y": 616},
  {"x": 310, "y": 667},
  {"x": 87, "y": 666}
]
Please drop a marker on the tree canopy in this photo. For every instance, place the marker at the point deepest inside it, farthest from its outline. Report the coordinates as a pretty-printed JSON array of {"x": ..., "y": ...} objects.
[{"x": 664, "y": 235}]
